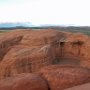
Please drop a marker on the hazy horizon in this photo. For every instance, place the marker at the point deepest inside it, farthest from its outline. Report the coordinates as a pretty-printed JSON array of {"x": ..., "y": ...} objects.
[{"x": 40, "y": 12}]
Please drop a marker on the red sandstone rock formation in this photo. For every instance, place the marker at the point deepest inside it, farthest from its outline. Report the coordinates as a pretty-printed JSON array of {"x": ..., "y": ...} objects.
[
  {"x": 31, "y": 53},
  {"x": 80, "y": 87},
  {"x": 85, "y": 55},
  {"x": 21, "y": 59},
  {"x": 60, "y": 77},
  {"x": 6, "y": 43},
  {"x": 25, "y": 51},
  {"x": 23, "y": 82}
]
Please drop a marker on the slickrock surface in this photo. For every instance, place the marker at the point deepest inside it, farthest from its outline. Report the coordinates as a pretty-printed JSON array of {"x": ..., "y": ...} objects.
[
  {"x": 60, "y": 77},
  {"x": 29, "y": 51},
  {"x": 80, "y": 87},
  {"x": 25, "y": 51},
  {"x": 23, "y": 82},
  {"x": 21, "y": 59}
]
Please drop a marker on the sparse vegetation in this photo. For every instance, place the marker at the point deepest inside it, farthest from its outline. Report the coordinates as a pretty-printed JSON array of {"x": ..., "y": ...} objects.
[
  {"x": 85, "y": 30},
  {"x": 4, "y": 31}
]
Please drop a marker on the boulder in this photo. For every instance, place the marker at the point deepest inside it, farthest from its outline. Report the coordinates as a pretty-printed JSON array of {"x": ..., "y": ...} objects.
[
  {"x": 60, "y": 77},
  {"x": 24, "y": 82}
]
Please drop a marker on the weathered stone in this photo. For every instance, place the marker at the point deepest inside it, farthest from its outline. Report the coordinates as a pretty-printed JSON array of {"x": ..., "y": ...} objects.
[
  {"x": 21, "y": 59},
  {"x": 60, "y": 77},
  {"x": 24, "y": 51},
  {"x": 24, "y": 82}
]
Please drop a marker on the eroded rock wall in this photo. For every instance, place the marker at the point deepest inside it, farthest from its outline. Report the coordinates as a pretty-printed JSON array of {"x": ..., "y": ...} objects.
[{"x": 25, "y": 51}]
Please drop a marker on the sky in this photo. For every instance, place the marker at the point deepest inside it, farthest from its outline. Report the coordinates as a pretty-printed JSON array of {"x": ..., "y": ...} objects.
[{"x": 58, "y": 12}]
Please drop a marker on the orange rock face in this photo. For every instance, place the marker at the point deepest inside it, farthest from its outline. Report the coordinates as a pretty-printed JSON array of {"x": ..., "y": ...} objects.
[
  {"x": 29, "y": 51},
  {"x": 60, "y": 77},
  {"x": 21, "y": 59},
  {"x": 6, "y": 43},
  {"x": 80, "y": 87},
  {"x": 24, "y": 51},
  {"x": 23, "y": 82}
]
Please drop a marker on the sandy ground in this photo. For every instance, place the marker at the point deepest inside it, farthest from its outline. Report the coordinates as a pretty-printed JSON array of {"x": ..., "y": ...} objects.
[{"x": 80, "y": 87}]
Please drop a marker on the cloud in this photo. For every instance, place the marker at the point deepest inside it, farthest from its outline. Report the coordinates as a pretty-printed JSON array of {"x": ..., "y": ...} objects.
[{"x": 47, "y": 12}]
